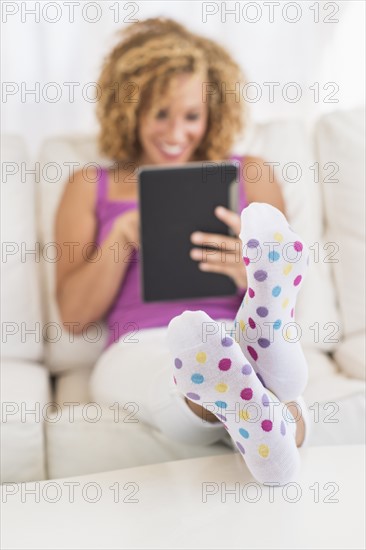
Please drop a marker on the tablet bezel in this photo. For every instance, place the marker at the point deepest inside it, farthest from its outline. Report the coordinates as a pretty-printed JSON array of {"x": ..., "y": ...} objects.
[{"x": 233, "y": 200}]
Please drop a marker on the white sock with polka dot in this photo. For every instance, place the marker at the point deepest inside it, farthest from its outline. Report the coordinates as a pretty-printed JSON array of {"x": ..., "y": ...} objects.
[
  {"x": 214, "y": 373},
  {"x": 276, "y": 261}
]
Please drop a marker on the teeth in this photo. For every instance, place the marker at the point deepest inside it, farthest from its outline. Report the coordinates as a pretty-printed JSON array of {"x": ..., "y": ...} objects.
[{"x": 172, "y": 149}]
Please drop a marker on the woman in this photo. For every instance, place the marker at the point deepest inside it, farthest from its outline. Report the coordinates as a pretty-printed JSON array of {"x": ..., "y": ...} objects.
[{"x": 163, "y": 100}]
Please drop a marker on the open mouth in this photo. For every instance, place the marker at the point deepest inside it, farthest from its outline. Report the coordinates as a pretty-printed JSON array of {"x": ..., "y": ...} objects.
[{"x": 171, "y": 151}]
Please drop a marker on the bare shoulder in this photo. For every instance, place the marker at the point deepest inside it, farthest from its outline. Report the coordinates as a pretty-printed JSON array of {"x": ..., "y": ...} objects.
[
  {"x": 260, "y": 182},
  {"x": 76, "y": 210},
  {"x": 81, "y": 189}
]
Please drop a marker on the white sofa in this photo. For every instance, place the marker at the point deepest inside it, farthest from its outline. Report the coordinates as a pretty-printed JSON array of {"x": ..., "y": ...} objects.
[{"x": 43, "y": 364}]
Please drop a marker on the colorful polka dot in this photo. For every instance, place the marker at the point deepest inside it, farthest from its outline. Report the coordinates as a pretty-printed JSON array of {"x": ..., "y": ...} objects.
[
  {"x": 246, "y": 260},
  {"x": 277, "y": 324},
  {"x": 263, "y": 342},
  {"x": 283, "y": 428},
  {"x": 297, "y": 280},
  {"x": 298, "y": 246},
  {"x": 292, "y": 312},
  {"x": 221, "y": 404},
  {"x": 175, "y": 380},
  {"x": 253, "y": 354},
  {"x": 263, "y": 450},
  {"x": 178, "y": 363},
  {"x": 265, "y": 400},
  {"x": 253, "y": 243},
  {"x": 197, "y": 378},
  {"x": 260, "y": 275},
  {"x": 276, "y": 291},
  {"x": 246, "y": 393},
  {"x": 201, "y": 357},
  {"x": 287, "y": 269},
  {"x": 247, "y": 369},
  {"x": 290, "y": 333},
  {"x": 227, "y": 342},
  {"x": 244, "y": 415},
  {"x": 221, "y": 387},
  {"x": 194, "y": 396},
  {"x": 285, "y": 303},
  {"x": 251, "y": 323},
  {"x": 267, "y": 425},
  {"x": 244, "y": 433},
  {"x": 273, "y": 256},
  {"x": 262, "y": 311},
  {"x": 240, "y": 447},
  {"x": 224, "y": 364},
  {"x": 251, "y": 292},
  {"x": 278, "y": 237},
  {"x": 221, "y": 417},
  {"x": 242, "y": 325}
]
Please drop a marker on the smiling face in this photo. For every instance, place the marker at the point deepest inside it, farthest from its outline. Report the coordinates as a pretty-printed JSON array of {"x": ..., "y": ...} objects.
[{"x": 171, "y": 131}]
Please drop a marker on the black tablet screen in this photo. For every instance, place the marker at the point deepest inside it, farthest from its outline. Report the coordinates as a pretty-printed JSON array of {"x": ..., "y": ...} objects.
[{"x": 175, "y": 202}]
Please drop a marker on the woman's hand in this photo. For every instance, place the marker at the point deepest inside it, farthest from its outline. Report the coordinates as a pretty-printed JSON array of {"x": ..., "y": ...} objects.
[
  {"x": 128, "y": 225},
  {"x": 227, "y": 258}
]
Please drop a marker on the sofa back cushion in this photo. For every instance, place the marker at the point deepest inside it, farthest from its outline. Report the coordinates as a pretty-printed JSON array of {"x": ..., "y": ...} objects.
[
  {"x": 340, "y": 141},
  {"x": 21, "y": 312},
  {"x": 58, "y": 158}
]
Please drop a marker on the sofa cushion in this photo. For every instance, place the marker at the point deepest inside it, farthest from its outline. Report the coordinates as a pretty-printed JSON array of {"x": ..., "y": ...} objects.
[
  {"x": 112, "y": 442},
  {"x": 25, "y": 393},
  {"x": 326, "y": 382},
  {"x": 336, "y": 403},
  {"x": 58, "y": 157},
  {"x": 340, "y": 139},
  {"x": 350, "y": 355},
  {"x": 21, "y": 313}
]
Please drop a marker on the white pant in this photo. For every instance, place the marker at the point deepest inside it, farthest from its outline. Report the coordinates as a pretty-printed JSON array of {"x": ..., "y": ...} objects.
[{"x": 138, "y": 369}]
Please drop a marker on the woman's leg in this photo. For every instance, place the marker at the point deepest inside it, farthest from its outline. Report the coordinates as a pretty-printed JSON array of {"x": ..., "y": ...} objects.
[
  {"x": 299, "y": 420},
  {"x": 216, "y": 375},
  {"x": 300, "y": 424},
  {"x": 276, "y": 261}
]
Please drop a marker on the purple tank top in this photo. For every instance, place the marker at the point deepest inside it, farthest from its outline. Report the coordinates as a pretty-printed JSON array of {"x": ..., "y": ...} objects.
[{"x": 129, "y": 313}]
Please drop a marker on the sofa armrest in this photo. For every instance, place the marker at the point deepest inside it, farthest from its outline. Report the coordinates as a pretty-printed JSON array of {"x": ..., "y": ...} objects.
[{"x": 25, "y": 393}]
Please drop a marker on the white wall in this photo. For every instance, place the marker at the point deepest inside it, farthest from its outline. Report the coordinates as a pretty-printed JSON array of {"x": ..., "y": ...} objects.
[{"x": 38, "y": 52}]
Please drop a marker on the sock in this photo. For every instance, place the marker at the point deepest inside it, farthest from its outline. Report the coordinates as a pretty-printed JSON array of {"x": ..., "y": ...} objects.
[
  {"x": 216, "y": 375},
  {"x": 276, "y": 261}
]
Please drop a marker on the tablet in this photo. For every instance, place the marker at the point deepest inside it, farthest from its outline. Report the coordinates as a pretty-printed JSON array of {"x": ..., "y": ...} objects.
[{"x": 174, "y": 202}]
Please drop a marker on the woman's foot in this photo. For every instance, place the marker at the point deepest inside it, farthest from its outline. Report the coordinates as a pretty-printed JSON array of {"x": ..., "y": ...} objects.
[
  {"x": 217, "y": 376},
  {"x": 276, "y": 261}
]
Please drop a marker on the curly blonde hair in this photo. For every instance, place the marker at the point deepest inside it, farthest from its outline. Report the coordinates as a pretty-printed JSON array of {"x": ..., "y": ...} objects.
[{"x": 150, "y": 53}]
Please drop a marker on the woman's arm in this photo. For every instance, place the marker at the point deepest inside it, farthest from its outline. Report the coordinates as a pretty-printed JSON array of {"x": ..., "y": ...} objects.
[{"x": 86, "y": 284}]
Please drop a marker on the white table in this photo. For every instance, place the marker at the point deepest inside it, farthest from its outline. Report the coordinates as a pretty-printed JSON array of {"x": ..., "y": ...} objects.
[{"x": 182, "y": 505}]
